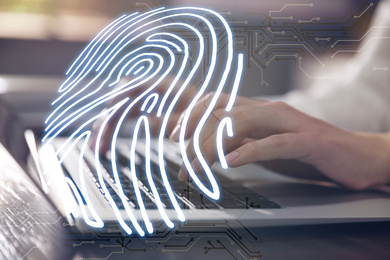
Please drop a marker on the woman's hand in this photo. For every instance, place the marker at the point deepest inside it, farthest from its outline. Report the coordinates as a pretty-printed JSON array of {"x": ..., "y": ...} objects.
[
  {"x": 155, "y": 122},
  {"x": 267, "y": 131}
]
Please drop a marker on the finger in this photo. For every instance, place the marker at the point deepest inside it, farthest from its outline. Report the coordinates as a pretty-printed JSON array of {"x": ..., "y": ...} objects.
[
  {"x": 156, "y": 123},
  {"x": 294, "y": 168},
  {"x": 197, "y": 112},
  {"x": 168, "y": 93},
  {"x": 136, "y": 111},
  {"x": 261, "y": 119},
  {"x": 207, "y": 152},
  {"x": 281, "y": 146},
  {"x": 190, "y": 153},
  {"x": 200, "y": 108},
  {"x": 208, "y": 138},
  {"x": 247, "y": 140},
  {"x": 106, "y": 136}
]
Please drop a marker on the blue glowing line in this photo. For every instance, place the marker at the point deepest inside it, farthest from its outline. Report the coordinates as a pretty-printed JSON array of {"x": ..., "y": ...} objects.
[
  {"x": 154, "y": 102},
  {"x": 142, "y": 119},
  {"x": 181, "y": 216},
  {"x": 137, "y": 71},
  {"x": 75, "y": 133},
  {"x": 215, "y": 194},
  {"x": 93, "y": 92},
  {"x": 31, "y": 143},
  {"x": 118, "y": 78},
  {"x": 120, "y": 189},
  {"x": 98, "y": 221},
  {"x": 104, "y": 187},
  {"x": 152, "y": 185},
  {"x": 79, "y": 199},
  {"x": 236, "y": 83},
  {"x": 180, "y": 72},
  {"x": 177, "y": 47},
  {"x": 225, "y": 122},
  {"x": 146, "y": 72}
]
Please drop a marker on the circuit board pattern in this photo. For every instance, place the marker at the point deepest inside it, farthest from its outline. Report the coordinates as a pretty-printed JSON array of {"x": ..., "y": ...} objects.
[
  {"x": 290, "y": 42},
  {"x": 309, "y": 43},
  {"x": 274, "y": 36},
  {"x": 227, "y": 239}
]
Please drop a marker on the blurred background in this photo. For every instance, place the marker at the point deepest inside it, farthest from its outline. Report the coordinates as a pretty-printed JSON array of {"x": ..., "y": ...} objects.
[{"x": 40, "y": 38}]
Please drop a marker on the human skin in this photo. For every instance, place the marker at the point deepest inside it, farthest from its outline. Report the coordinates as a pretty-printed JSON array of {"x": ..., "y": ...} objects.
[
  {"x": 274, "y": 132},
  {"x": 155, "y": 122},
  {"x": 281, "y": 138}
]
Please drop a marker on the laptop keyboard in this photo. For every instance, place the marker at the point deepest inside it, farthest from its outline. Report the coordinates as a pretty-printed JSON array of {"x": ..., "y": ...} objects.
[{"x": 188, "y": 195}]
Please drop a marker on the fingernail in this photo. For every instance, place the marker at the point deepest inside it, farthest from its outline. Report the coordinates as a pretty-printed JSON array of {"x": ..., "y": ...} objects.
[
  {"x": 196, "y": 165},
  {"x": 232, "y": 156},
  {"x": 181, "y": 117},
  {"x": 182, "y": 176},
  {"x": 175, "y": 134}
]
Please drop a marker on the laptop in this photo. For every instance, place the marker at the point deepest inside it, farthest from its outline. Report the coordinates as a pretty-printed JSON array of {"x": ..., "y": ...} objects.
[
  {"x": 31, "y": 227},
  {"x": 250, "y": 195}
]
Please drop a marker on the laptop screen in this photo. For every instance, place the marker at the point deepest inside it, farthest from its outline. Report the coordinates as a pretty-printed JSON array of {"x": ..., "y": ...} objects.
[{"x": 31, "y": 226}]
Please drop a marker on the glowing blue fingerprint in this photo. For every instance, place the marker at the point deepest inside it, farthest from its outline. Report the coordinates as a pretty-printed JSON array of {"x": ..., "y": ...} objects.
[{"x": 138, "y": 53}]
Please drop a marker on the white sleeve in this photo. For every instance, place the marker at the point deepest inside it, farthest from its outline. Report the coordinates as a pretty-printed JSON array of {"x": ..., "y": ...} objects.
[{"x": 358, "y": 96}]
